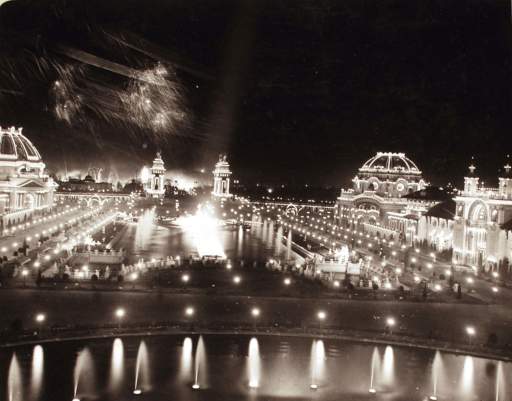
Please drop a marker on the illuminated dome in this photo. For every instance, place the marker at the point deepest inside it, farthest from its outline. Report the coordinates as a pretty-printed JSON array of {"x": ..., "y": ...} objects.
[
  {"x": 389, "y": 174},
  {"x": 389, "y": 162},
  {"x": 16, "y": 146},
  {"x": 25, "y": 187}
]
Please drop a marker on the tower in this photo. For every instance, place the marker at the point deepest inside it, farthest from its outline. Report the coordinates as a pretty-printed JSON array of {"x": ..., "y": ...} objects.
[
  {"x": 155, "y": 182},
  {"x": 505, "y": 180},
  {"x": 221, "y": 177},
  {"x": 471, "y": 180}
]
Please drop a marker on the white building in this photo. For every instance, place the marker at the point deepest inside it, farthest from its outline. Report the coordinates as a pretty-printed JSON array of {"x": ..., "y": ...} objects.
[
  {"x": 377, "y": 202},
  {"x": 482, "y": 231},
  {"x": 25, "y": 187},
  {"x": 154, "y": 179},
  {"x": 221, "y": 177}
]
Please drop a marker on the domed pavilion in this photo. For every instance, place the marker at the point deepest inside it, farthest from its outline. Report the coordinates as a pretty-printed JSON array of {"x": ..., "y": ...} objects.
[{"x": 25, "y": 187}]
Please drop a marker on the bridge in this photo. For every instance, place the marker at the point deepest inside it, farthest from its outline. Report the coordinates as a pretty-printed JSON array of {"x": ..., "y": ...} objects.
[
  {"x": 293, "y": 208},
  {"x": 91, "y": 198}
]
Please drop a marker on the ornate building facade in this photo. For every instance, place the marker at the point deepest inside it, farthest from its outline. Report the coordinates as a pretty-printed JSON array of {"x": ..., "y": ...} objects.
[
  {"x": 377, "y": 199},
  {"x": 154, "y": 183},
  {"x": 221, "y": 178},
  {"x": 25, "y": 187},
  {"x": 482, "y": 229}
]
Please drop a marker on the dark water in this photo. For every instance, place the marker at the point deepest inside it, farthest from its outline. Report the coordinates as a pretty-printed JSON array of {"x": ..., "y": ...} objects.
[{"x": 343, "y": 373}]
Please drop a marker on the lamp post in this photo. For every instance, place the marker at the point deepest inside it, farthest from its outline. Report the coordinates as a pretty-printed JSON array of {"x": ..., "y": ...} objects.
[
  {"x": 321, "y": 316},
  {"x": 471, "y": 332},
  {"x": 390, "y": 323},
  {"x": 24, "y": 274},
  {"x": 120, "y": 313},
  {"x": 40, "y": 318}
]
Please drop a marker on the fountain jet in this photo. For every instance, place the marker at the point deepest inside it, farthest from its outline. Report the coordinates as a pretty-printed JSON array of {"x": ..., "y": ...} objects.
[
  {"x": 270, "y": 234},
  {"x": 289, "y": 245},
  {"x": 14, "y": 385},
  {"x": 200, "y": 363},
  {"x": 437, "y": 367},
  {"x": 37, "y": 371},
  {"x": 83, "y": 374},
  {"x": 467, "y": 375},
  {"x": 254, "y": 363},
  {"x": 500, "y": 382},
  {"x": 388, "y": 366},
  {"x": 141, "y": 370},
  {"x": 117, "y": 365},
  {"x": 317, "y": 363},
  {"x": 279, "y": 239},
  {"x": 264, "y": 231},
  {"x": 374, "y": 367},
  {"x": 186, "y": 360}
]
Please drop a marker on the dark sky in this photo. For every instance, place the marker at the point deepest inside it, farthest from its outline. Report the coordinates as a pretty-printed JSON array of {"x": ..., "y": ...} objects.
[{"x": 294, "y": 91}]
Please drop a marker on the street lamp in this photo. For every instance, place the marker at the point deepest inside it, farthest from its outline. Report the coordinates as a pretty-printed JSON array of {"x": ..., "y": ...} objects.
[
  {"x": 120, "y": 313},
  {"x": 189, "y": 311},
  {"x": 470, "y": 331},
  {"x": 237, "y": 279},
  {"x": 390, "y": 323},
  {"x": 185, "y": 278},
  {"x": 321, "y": 315},
  {"x": 40, "y": 318},
  {"x": 24, "y": 274},
  {"x": 287, "y": 281},
  {"x": 255, "y": 312}
]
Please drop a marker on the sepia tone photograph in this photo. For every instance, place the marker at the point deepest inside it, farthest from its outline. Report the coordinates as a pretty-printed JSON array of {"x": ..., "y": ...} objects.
[{"x": 255, "y": 200}]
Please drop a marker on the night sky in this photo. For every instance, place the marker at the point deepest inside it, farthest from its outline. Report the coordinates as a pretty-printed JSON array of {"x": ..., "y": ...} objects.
[{"x": 293, "y": 91}]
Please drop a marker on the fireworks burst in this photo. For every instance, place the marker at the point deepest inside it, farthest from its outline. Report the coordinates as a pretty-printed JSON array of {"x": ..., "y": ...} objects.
[
  {"x": 68, "y": 103},
  {"x": 154, "y": 100},
  {"x": 151, "y": 102}
]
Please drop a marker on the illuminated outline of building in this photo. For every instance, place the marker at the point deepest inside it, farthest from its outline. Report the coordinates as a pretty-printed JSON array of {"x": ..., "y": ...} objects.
[
  {"x": 155, "y": 185},
  {"x": 482, "y": 230},
  {"x": 25, "y": 187},
  {"x": 377, "y": 201},
  {"x": 221, "y": 177}
]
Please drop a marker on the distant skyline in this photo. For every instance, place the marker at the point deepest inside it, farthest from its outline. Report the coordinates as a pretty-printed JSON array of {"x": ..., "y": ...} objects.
[{"x": 297, "y": 92}]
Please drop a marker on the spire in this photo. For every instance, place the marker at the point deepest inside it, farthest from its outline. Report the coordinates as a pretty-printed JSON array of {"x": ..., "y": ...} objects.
[
  {"x": 472, "y": 166},
  {"x": 507, "y": 167}
]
